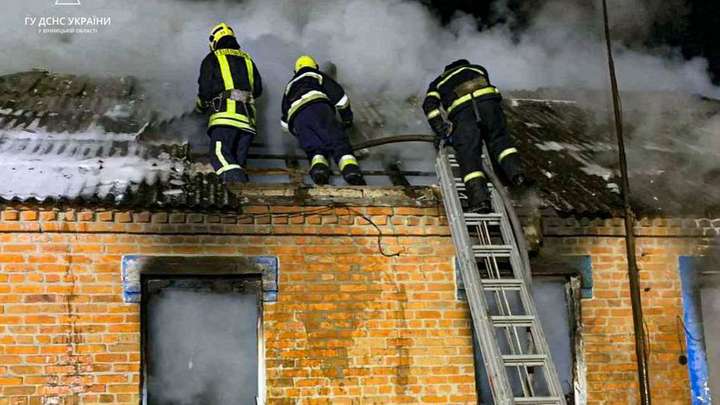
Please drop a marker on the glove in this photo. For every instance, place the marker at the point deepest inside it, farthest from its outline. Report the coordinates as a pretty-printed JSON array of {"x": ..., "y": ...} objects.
[
  {"x": 441, "y": 128},
  {"x": 200, "y": 107}
]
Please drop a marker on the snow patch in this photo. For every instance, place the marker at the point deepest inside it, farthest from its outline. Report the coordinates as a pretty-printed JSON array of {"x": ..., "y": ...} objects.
[
  {"x": 613, "y": 187},
  {"x": 119, "y": 112},
  {"x": 594, "y": 169},
  {"x": 93, "y": 133},
  {"x": 68, "y": 167},
  {"x": 551, "y": 146},
  {"x": 516, "y": 101}
]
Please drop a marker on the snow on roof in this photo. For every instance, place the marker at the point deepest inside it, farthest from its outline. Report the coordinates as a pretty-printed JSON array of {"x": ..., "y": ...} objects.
[
  {"x": 64, "y": 166},
  {"x": 67, "y": 138}
]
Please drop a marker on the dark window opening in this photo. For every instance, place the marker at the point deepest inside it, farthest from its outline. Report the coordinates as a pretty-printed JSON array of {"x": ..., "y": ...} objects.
[
  {"x": 557, "y": 300},
  {"x": 200, "y": 340}
]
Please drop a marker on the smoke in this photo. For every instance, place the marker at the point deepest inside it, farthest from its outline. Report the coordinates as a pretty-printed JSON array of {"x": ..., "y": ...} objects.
[
  {"x": 203, "y": 347},
  {"x": 384, "y": 49}
]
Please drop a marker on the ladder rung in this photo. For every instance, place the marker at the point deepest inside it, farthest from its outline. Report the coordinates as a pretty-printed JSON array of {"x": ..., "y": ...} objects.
[
  {"x": 529, "y": 360},
  {"x": 472, "y": 218},
  {"x": 492, "y": 250},
  {"x": 538, "y": 400},
  {"x": 501, "y": 284},
  {"x": 513, "y": 320}
]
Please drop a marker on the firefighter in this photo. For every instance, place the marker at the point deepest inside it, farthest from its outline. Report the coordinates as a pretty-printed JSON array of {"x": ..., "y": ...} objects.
[
  {"x": 310, "y": 106},
  {"x": 229, "y": 83},
  {"x": 463, "y": 108}
]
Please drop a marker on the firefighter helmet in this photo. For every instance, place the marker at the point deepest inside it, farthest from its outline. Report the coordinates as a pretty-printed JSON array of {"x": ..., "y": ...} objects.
[
  {"x": 218, "y": 32},
  {"x": 305, "y": 61}
]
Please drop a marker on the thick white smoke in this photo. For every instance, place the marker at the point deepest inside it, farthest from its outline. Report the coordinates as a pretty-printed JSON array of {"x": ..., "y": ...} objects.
[
  {"x": 387, "y": 48},
  {"x": 380, "y": 46},
  {"x": 203, "y": 347}
]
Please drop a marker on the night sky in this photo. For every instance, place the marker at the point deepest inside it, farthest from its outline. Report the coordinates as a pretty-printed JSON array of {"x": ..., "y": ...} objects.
[{"x": 695, "y": 34}]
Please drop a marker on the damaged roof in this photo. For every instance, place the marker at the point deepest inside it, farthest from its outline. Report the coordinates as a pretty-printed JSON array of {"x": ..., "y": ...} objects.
[{"x": 93, "y": 141}]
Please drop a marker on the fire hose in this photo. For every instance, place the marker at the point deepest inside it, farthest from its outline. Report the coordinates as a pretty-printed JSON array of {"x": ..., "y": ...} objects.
[{"x": 507, "y": 201}]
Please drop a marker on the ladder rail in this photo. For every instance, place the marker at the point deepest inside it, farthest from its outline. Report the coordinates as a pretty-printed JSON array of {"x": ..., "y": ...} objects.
[
  {"x": 508, "y": 211},
  {"x": 520, "y": 359},
  {"x": 483, "y": 327},
  {"x": 538, "y": 336}
]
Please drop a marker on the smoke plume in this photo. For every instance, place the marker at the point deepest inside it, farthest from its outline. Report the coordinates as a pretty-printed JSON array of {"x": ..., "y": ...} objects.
[
  {"x": 384, "y": 49},
  {"x": 203, "y": 347}
]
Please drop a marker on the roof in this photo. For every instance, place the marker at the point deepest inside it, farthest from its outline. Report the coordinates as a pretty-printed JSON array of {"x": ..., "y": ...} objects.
[
  {"x": 572, "y": 153},
  {"x": 93, "y": 141}
]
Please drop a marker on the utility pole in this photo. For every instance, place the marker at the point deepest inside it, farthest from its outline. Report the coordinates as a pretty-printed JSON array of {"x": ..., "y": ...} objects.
[{"x": 633, "y": 274}]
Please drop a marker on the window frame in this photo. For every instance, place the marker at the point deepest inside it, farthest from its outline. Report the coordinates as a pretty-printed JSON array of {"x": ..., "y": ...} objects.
[{"x": 212, "y": 268}]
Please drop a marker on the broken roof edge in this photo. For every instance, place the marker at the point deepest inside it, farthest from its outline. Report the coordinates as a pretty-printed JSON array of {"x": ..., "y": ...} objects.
[{"x": 257, "y": 195}]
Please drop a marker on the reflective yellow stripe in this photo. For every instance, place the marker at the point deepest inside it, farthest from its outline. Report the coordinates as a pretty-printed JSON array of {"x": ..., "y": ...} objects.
[
  {"x": 232, "y": 123},
  {"x": 306, "y": 98},
  {"x": 304, "y": 75},
  {"x": 233, "y": 120},
  {"x": 225, "y": 165},
  {"x": 434, "y": 113},
  {"x": 225, "y": 70},
  {"x": 473, "y": 175},
  {"x": 319, "y": 160},
  {"x": 343, "y": 103},
  {"x": 227, "y": 79},
  {"x": 226, "y": 168},
  {"x": 468, "y": 97},
  {"x": 347, "y": 160},
  {"x": 433, "y": 94},
  {"x": 506, "y": 153},
  {"x": 458, "y": 70},
  {"x": 251, "y": 73}
]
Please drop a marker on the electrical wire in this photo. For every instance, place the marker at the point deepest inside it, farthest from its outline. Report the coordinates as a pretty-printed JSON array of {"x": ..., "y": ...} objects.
[
  {"x": 379, "y": 235},
  {"x": 687, "y": 331},
  {"x": 326, "y": 208}
]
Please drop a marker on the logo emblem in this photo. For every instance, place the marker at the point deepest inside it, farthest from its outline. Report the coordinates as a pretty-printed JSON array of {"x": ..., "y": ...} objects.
[{"x": 67, "y": 2}]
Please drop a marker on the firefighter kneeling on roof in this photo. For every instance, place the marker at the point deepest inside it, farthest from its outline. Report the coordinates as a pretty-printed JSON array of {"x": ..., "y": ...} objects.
[
  {"x": 229, "y": 83},
  {"x": 309, "y": 108},
  {"x": 462, "y": 108}
]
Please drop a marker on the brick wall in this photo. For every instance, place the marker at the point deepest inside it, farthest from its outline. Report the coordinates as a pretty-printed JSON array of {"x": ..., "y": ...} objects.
[
  {"x": 607, "y": 317},
  {"x": 349, "y": 323}
]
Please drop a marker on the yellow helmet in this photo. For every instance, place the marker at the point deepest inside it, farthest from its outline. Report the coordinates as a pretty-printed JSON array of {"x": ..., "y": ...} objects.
[
  {"x": 218, "y": 32},
  {"x": 305, "y": 61}
]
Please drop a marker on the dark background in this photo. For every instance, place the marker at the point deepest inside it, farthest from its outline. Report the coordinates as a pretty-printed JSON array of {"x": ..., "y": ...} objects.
[{"x": 695, "y": 34}]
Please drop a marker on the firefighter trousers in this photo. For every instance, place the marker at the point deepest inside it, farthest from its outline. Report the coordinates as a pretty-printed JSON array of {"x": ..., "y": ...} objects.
[
  {"x": 319, "y": 132},
  {"x": 228, "y": 152},
  {"x": 468, "y": 136}
]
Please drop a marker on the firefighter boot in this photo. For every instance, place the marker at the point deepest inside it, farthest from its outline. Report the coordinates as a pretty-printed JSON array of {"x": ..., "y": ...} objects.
[
  {"x": 235, "y": 177},
  {"x": 320, "y": 174},
  {"x": 353, "y": 176},
  {"x": 478, "y": 196}
]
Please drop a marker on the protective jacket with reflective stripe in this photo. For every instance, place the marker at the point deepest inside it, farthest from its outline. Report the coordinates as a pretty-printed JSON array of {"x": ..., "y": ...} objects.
[
  {"x": 228, "y": 69},
  {"x": 313, "y": 86},
  {"x": 447, "y": 91}
]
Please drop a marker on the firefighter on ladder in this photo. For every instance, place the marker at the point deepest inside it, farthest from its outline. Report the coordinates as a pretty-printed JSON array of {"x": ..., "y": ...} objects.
[
  {"x": 229, "y": 83},
  {"x": 310, "y": 105},
  {"x": 463, "y": 108}
]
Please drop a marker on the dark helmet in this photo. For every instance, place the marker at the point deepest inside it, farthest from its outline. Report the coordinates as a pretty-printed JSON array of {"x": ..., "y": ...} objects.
[{"x": 457, "y": 63}]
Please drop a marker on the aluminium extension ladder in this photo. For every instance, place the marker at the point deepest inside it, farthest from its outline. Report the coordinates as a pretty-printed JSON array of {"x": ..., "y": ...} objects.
[{"x": 515, "y": 353}]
